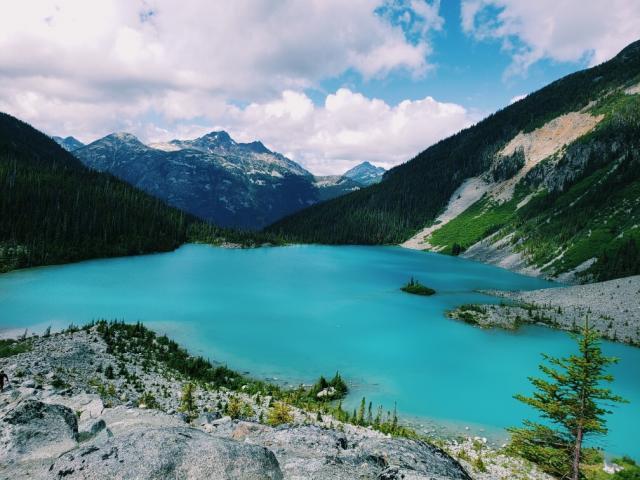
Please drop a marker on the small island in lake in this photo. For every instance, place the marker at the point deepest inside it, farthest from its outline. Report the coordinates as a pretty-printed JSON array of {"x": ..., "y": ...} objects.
[{"x": 416, "y": 288}]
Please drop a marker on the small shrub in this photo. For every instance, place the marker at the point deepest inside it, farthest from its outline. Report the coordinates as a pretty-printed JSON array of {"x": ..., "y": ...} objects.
[
  {"x": 279, "y": 413},
  {"x": 10, "y": 347},
  {"x": 148, "y": 400},
  {"x": 479, "y": 465}
]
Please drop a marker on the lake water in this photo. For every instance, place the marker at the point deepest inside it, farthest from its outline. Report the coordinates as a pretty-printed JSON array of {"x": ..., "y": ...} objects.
[{"x": 294, "y": 313}]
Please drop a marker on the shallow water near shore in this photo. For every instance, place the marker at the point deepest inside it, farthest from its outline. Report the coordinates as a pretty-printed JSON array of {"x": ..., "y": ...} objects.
[{"x": 293, "y": 313}]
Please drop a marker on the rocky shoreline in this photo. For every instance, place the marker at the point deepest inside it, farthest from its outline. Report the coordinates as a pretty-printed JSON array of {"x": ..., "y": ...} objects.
[
  {"x": 612, "y": 309},
  {"x": 77, "y": 409}
]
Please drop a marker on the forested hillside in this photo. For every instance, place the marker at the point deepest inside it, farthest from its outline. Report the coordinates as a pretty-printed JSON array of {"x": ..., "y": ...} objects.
[
  {"x": 55, "y": 210},
  {"x": 411, "y": 195},
  {"x": 580, "y": 210}
]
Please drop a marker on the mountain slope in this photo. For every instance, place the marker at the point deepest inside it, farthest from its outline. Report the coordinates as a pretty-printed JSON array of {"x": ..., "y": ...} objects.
[
  {"x": 534, "y": 175},
  {"x": 55, "y": 210},
  {"x": 213, "y": 177}
]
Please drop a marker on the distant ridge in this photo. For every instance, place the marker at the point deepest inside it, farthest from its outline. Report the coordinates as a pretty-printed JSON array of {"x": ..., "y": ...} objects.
[
  {"x": 232, "y": 184},
  {"x": 365, "y": 173},
  {"x": 68, "y": 143}
]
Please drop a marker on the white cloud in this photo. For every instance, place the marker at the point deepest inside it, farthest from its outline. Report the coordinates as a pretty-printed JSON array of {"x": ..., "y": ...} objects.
[
  {"x": 163, "y": 68},
  {"x": 560, "y": 30},
  {"x": 347, "y": 129},
  {"x": 517, "y": 98}
]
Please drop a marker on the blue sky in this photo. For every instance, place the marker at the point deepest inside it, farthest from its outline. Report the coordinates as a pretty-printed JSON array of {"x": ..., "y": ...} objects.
[
  {"x": 466, "y": 71},
  {"x": 329, "y": 83}
]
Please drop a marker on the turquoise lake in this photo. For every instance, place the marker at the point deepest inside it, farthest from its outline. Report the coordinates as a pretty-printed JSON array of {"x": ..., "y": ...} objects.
[{"x": 293, "y": 313}]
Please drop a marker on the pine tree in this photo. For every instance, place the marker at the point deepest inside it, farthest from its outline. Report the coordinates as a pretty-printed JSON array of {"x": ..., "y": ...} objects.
[
  {"x": 187, "y": 401},
  {"x": 361, "y": 410},
  {"x": 394, "y": 422},
  {"x": 572, "y": 400},
  {"x": 378, "y": 418}
]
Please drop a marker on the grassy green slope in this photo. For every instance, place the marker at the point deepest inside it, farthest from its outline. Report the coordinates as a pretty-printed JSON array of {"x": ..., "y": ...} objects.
[
  {"x": 411, "y": 195},
  {"x": 595, "y": 216}
]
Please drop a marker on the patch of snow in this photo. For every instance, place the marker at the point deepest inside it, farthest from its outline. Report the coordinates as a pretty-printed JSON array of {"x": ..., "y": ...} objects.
[
  {"x": 165, "y": 147},
  {"x": 524, "y": 201}
]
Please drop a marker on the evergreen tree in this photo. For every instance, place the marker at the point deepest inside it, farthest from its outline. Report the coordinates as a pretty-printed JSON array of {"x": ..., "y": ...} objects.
[
  {"x": 187, "y": 401},
  {"x": 394, "y": 422},
  {"x": 361, "y": 410},
  {"x": 572, "y": 399},
  {"x": 378, "y": 418}
]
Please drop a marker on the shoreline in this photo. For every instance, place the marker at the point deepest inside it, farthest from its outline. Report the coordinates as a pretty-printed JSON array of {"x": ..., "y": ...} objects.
[
  {"x": 612, "y": 309},
  {"x": 68, "y": 368}
]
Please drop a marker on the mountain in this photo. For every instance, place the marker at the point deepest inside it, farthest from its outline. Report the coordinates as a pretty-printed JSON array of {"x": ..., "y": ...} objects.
[
  {"x": 549, "y": 185},
  {"x": 365, "y": 174},
  {"x": 69, "y": 143},
  {"x": 332, "y": 186},
  {"x": 213, "y": 177}
]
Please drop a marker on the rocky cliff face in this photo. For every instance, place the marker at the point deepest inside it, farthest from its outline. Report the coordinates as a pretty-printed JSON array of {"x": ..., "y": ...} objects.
[{"x": 213, "y": 177}]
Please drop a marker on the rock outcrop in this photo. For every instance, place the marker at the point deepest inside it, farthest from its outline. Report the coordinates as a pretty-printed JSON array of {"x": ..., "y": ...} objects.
[
  {"x": 56, "y": 424},
  {"x": 167, "y": 452},
  {"x": 76, "y": 410}
]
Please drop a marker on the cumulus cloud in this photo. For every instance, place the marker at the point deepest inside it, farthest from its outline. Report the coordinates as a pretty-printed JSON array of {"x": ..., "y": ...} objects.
[
  {"x": 560, "y": 30},
  {"x": 347, "y": 129},
  {"x": 517, "y": 98},
  {"x": 164, "y": 68}
]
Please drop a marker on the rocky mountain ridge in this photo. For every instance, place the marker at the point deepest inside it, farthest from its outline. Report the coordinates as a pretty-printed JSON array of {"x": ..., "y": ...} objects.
[{"x": 232, "y": 184}]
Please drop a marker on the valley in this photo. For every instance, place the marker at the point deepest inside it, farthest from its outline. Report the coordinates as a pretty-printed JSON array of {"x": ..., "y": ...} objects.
[{"x": 435, "y": 288}]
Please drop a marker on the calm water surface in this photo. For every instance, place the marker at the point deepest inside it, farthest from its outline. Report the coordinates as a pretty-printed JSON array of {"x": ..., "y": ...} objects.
[{"x": 294, "y": 313}]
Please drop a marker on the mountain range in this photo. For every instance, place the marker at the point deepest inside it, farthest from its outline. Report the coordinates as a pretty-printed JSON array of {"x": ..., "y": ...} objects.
[
  {"x": 232, "y": 184},
  {"x": 549, "y": 185}
]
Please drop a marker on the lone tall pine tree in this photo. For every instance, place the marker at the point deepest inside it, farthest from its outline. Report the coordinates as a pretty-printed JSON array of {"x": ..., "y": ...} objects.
[{"x": 572, "y": 399}]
